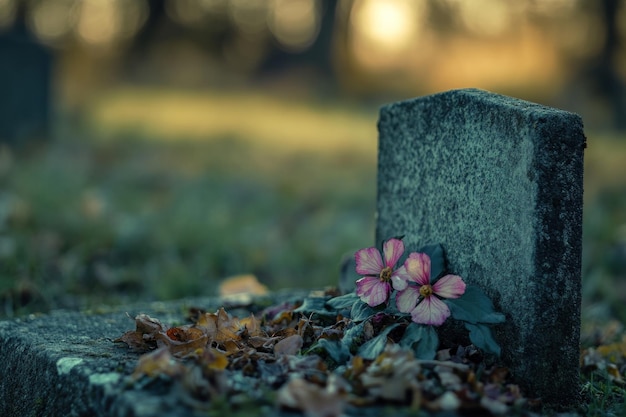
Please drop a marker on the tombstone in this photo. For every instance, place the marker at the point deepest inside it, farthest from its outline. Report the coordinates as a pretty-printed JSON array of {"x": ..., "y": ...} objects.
[
  {"x": 499, "y": 182},
  {"x": 25, "y": 73}
]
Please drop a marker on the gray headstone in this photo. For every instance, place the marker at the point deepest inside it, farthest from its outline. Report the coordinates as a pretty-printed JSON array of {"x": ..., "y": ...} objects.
[
  {"x": 499, "y": 182},
  {"x": 25, "y": 78}
]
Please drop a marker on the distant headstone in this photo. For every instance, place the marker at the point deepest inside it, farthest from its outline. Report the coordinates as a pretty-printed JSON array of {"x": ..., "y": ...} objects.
[
  {"x": 499, "y": 182},
  {"x": 25, "y": 74}
]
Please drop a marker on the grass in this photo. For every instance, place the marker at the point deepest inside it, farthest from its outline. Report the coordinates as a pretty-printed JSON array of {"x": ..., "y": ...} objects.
[
  {"x": 152, "y": 200},
  {"x": 112, "y": 214},
  {"x": 602, "y": 396}
]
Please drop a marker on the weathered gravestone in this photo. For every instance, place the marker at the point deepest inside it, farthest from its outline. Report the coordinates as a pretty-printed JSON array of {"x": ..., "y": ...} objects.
[
  {"x": 497, "y": 181},
  {"x": 25, "y": 77}
]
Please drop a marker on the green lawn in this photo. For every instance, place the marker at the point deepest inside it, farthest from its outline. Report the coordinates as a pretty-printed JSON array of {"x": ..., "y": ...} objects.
[{"x": 112, "y": 214}]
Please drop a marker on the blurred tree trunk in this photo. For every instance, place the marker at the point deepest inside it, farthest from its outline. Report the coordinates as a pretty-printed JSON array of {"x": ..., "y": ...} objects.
[
  {"x": 318, "y": 56},
  {"x": 603, "y": 70},
  {"x": 151, "y": 28}
]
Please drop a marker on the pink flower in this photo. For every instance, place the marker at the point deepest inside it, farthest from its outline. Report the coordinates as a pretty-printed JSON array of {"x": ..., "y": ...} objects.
[
  {"x": 422, "y": 300},
  {"x": 379, "y": 276}
]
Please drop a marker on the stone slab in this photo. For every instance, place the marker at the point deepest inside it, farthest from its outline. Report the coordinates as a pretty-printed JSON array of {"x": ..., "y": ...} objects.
[
  {"x": 499, "y": 182},
  {"x": 65, "y": 364}
]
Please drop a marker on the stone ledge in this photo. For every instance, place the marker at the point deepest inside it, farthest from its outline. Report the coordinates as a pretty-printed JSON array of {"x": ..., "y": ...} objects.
[{"x": 65, "y": 363}]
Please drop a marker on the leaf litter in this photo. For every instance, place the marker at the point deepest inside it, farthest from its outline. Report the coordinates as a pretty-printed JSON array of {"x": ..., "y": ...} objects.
[{"x": 307, "y": 356}]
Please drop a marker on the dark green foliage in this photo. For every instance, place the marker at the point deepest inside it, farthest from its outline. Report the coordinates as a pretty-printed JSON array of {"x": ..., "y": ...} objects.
[
  {"x": 422, "y": 339},
  {"x": 317, "y": 306},
  {"x": 374, "y": 347},
  {"x": 361, "y": 311},
  {"x": 481, "y": 337},
  {"x": 335, "y": 349},
  {"x": 437, "y": 260},
  {"x": 343, "y": 301},
  {"x": 474, "y": 307}
]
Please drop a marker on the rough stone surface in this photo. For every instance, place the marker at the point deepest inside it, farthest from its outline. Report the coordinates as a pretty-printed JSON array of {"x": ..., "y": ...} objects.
[
  {"x": 497, "y": 181},
  {"x": 65, "y": 364}
]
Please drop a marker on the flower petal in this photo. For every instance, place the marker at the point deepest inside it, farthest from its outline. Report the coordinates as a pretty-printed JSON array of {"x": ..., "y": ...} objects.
[
  {"x": 449, "y": 286},
  {"x": 430, "y": 310},
  {"x": 407, "y": 299},
  {"x": 400, "y": 279},
  {"x": 365, "y": 284},
  {"x": 368, "y": 261},
  {"x": 417, "y": 266},
  {"x": 372, "y": 290},
  {"x": 393, "y": 250}
]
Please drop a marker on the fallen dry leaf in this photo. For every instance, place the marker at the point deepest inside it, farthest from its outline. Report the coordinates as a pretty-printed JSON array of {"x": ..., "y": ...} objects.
[
  {"x": 158, "y": 362},
  {"x": 143, "y": 338},
  {"x": 213, "y": 359},
  {"x": 393, "y": 376},
  {"x": 241, "y": 289},
  {"x": 182, "y": 341},
  {"x": 289, "y": 345},
  {"x": 220, "y": 327},
  {"x": 312, "y": 399}
]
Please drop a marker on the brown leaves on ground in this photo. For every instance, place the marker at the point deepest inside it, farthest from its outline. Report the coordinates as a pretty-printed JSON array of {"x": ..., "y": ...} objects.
[
  {"x": 608, "y": 356},
  {"x": 214, "y": 340},
  {"x": 450, "y": 383},
  {"x": 313, "y": 399},
  {"x": 281, "y": 351}
]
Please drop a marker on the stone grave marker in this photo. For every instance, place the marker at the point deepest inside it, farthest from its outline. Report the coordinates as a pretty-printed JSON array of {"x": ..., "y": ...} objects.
[
  {"x": 25, "y": 78},
  {"x": 499, "y": 182}
]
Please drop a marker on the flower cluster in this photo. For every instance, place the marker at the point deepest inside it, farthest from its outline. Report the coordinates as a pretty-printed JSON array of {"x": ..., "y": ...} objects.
[{"x": 416, "y": 293}]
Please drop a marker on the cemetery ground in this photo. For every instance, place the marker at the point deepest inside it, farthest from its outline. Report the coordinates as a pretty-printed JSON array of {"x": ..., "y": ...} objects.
[{"x": 116, "y": 213}]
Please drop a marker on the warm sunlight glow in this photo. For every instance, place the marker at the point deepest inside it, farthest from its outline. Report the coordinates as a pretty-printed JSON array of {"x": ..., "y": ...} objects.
[
  {"x": 7, "y": 12},
  {"x": 388, "y": 24},
  {"x": 277, "y": 123},
  {"x": 486, "y": 17},
  {"x": 249, "y": 15},
  {"x": 134, "y": 14},
  {"x": 101, "y": 22},
  {"x": 98, "y": 21},
  {"x": 294, "y": 23},
  {"x": 51, "y": 20},
  {"x": 550, "y": 7},
  {"x": 214, "y": 6},
  {"x": 383, "y": 31}
]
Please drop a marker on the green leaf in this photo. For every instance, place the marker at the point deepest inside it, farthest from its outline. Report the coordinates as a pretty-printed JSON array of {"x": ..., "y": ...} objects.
[
  {"x": 361, "y": 311},
  {"x": 474, "y": 307},
  {"x": 412, "y": 335},
  {"x": 428, "y": 343},
  {"x": 422, "y": 339},
  {"x": 343, "y": 301},
  {"x": 315, "y": 305},
  {"x": 437, "y": 259},
  {"x": 337, "y": 350},
  {"x": 481, "y": 337},
  {"x": 372, "y": 348},
  {"x": 353, "y": 336},
  {"x": 392, "y": 308}
]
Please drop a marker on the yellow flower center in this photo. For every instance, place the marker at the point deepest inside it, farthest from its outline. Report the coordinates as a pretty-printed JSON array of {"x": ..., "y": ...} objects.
[
  {"x": 385, "y": 274},
  {"x": 426, "y": 290}
]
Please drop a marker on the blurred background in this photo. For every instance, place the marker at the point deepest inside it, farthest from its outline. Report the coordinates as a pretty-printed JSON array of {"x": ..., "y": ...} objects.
[{"x": 151, "y": 148}]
